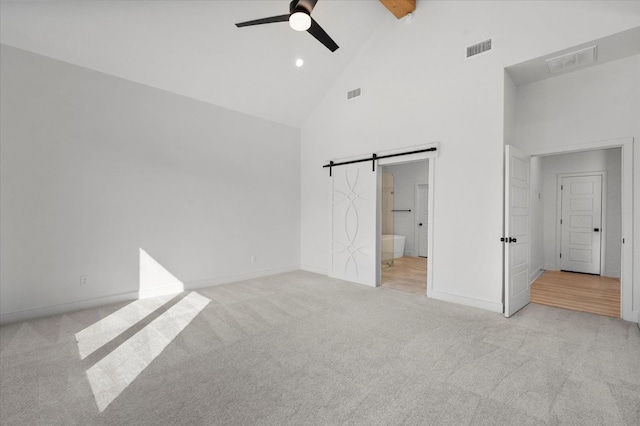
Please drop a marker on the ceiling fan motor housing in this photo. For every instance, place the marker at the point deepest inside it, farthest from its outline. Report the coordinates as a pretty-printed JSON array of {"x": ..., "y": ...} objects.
[
  {"x": 295, "y": 6},
  {"x": 298, "y": 6}
]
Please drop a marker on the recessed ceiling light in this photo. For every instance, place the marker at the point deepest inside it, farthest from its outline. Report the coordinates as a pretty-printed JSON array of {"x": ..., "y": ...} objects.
[{"x": 299, "y": 62}]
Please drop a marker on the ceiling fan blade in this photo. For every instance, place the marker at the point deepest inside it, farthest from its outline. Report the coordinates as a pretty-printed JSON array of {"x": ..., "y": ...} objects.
[
  {"x": 307, "y": 5},
  {"x": 280, "y": 18},
  {"x": 320, "y": 34}
]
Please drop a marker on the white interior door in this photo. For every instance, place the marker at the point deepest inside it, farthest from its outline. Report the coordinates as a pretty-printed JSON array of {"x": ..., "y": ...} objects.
[
  {"x": 353, "y": 239},
  {"x": 516, "y": 227},
  {"x": 581, "y": 224},
  {"x": 422, "y": 211}
]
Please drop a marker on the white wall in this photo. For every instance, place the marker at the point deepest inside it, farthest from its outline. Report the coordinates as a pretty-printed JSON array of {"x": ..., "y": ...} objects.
[
  {"x": 595, "y": 104},
  {"x": 608, "y": 160},
  {"x": 405, "y": 178},
  {"x": 418, "y": 88},
  {"x": 510, "y": 99},
  {"x": 95, "y": 168}
]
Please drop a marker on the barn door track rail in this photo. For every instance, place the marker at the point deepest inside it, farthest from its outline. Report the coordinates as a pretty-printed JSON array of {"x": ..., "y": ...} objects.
[{"x": 373, "y": 159}]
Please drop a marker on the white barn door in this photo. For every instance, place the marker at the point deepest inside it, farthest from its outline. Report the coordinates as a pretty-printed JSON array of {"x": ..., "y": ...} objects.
[
  {"x": 516, "y": 226},
  {"x": 353, "y": 240}
]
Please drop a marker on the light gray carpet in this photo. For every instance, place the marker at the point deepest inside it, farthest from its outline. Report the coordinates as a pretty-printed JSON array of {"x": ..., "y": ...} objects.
[{"x": 300, "y": 348}]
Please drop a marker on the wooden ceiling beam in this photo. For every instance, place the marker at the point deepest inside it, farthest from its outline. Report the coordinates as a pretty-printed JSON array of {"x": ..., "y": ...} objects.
[{"x": 400, "y": 8}]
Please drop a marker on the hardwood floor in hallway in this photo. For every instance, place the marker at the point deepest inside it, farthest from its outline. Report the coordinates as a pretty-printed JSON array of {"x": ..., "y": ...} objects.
[
  {"x": 407, "y": 274},
  {"x": 578, "y": 292}
]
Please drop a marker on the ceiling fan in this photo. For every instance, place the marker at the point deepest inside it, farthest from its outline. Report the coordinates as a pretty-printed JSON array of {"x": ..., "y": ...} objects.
[{"x": 300, "y": 19}]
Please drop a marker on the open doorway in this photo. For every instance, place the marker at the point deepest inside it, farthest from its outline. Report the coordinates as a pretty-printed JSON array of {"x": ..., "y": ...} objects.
[
  {"x": 404, "y": 194},
  {"x": 582, "y": 108},
  {"x": 524, "y": 239},
  {"x": 576, "y": 241}
]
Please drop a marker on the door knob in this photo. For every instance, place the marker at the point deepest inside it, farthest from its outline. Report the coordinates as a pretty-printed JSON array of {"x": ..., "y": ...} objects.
[
  {"x": 596, "y": 229},
  {"x": 419, "y": 224}
]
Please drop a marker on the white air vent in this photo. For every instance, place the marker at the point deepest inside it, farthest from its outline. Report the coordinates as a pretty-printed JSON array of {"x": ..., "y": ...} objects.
[
  {"x": 573, "y": 59},
  {"x": 483, "y": 46},
  {"x": 354, "y": 93}
]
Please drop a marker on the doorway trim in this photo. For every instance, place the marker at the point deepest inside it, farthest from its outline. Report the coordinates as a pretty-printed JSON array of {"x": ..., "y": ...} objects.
[
  {"x": 429, "y": 158},
  {"x": 626, "y": 267},
  {"x": 603, "y": 214},
  {"x": 416, "y": 220}
]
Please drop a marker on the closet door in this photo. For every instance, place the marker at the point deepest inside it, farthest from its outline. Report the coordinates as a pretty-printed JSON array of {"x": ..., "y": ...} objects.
[
  {"x": 353, "y": 230},
  {"x": 581, "y": 224}
]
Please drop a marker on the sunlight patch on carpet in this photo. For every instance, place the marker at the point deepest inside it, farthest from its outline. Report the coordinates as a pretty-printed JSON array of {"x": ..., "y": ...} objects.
[
  {"x": 102, "y": 332},
  {"x": 110, "y": 376}
]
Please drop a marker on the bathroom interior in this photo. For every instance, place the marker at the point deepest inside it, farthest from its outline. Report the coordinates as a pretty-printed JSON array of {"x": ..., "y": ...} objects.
[{"x": 404, "y": 227}]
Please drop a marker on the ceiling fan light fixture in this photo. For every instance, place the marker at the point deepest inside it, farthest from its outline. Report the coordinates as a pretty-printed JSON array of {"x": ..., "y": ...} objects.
[{"x": 300, "y": 21}]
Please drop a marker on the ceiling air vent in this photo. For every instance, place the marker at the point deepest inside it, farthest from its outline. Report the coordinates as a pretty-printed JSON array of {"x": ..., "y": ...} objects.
[
  {"x": 354, "y": 93},
  {"x": 573, "y": 59},
  {"x": 477, "y": 48}
]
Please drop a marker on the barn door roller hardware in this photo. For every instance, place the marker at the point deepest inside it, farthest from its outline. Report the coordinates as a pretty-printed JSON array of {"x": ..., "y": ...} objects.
[{"x": 373, "y": 159}]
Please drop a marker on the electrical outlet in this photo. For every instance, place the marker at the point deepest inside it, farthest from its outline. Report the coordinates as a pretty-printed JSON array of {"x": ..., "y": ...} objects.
[{"x": 84, "y": 279}]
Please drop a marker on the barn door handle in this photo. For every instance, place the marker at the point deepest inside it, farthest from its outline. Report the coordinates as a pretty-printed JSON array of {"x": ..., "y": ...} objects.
[{"x": 596, "y": 229}]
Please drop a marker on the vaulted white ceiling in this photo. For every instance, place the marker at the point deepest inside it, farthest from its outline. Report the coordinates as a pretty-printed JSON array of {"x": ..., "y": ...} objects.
[{"x": 193, "y": 48}]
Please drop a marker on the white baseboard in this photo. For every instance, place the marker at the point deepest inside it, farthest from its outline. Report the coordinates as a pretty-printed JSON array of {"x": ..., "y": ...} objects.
[
  {"x": 63, "y": 308},
  {"x": 536, "y": 275},
  {"x": 611, "y": 273},
  {"x": 317, "y": 270},
  {"x": 468, "y": 301},
  {"x": 161, "y": 291},
  {"x": 195, "y": 285}
]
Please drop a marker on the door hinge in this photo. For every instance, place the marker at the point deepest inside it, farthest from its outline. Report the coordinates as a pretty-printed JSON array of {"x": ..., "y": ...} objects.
[
  {"x": 560, "y": 255},
  {"x": 561, "y": 187},
  {"x": 560, "y": 221}
]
